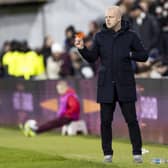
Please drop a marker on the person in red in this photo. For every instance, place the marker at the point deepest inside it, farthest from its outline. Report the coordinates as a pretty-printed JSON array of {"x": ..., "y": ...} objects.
[{"x": 69, "y": 109}]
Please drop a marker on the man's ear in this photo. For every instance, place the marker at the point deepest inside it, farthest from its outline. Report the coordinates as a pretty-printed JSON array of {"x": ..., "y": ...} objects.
[{"x": 119, "y": 19}]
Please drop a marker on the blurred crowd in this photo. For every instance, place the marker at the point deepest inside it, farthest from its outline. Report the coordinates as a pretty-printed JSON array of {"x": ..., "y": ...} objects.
[{"x": 149, "y": 18}]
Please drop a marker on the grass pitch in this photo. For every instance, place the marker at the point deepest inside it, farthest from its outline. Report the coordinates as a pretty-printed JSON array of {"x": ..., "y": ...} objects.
[{"x": 55, "y": 151}]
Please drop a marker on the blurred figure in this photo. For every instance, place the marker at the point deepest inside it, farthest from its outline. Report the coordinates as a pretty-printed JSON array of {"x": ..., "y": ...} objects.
[
  {"x": 5, "y": 48},
  {"x": 46, "y": 49},
  {"x": 159, "y": 70},
  {"x": 125, "y": 6},
  {"x": 80, "y": 68},
  {"x": 127, "y": 3},
  {"x": 88, "y": 43},
  {"x": 69, "y": 110},
  {"x": 22, "y": 62},
  {"x": 160, "y": 9},
  {"x": 22, "y": 103},
  {"x": 70, "y": 35},
  {"x": 88, "y": 40},
  {"x": 156, "y": 69},
  {"x": 2, "y": 71},
  {"x": 147, "y": 28},
  {"x": 143, "y": 69},
  {"x": 144, "y": 5},
  {"x": 34, "y": 63},
  {"x": 9, "y": 58},
  {"x": 93, "y": 28},
  {"x": 58, "y": 64}
]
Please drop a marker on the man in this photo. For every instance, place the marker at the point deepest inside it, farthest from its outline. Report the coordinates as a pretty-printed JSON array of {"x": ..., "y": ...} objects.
[
  {"x": 69, "y": 109},
  {"x": 58, "y": 64},
  {"x": 146, "y": 27},
  {"x": 116, "y": 82}
]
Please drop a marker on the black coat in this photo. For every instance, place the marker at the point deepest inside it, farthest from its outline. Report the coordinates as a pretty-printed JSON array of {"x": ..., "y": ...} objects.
[
  {"x": 148, "y": 31},
  {"x": 114, "y": 49}
]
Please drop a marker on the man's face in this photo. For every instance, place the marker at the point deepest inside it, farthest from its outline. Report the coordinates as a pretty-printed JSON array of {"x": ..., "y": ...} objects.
[
  {"x": 111, "y": 18},
  {"x": 56, "y": 55},
  {"x": 69, "y": 34},
  {"x": 49, "y": 41},
  {"x": 135, "y": 13},
  {"x": 61, "y": 89}
]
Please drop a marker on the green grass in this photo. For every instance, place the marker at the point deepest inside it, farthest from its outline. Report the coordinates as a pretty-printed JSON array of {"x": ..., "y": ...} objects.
[{"x": 55, "y": 151}]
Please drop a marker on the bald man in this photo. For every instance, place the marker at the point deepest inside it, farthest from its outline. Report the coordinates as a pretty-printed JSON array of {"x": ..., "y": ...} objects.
[{"x": 116, "y": 46}]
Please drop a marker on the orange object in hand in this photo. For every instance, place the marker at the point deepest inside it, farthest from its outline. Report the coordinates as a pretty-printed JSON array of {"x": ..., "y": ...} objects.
[{"x": 80, "y": 35}]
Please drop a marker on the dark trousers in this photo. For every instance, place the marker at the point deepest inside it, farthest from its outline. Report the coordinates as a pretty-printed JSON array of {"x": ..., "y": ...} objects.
[
  {"x": 129, "y": 113},
  {"x": 56, "y": 123}
]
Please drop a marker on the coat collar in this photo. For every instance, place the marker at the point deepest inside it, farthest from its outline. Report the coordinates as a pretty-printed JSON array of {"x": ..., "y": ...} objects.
[{"x": 125, "y": 26}]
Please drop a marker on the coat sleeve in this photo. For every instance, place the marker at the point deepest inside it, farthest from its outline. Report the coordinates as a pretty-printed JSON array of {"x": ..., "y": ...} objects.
[
  {"x": 91, "y": 55},
  {"x": 139, "y": 53}
]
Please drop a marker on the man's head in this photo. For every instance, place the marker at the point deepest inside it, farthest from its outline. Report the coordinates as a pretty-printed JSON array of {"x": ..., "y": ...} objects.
[
  {"x": 136, "y": 11},
  {"x": 70, "y": 32},
  {"x": 128, "y": 3},
  {"x": 113, "y": 17},
  {"x": 62, "y": 87},
  {"x": 48, "y": 41},
  {"x": 93, "y": 27},
  {"x": 57, "y": 51},
  {"x": 88, "y": 40},
  {"x": 145, "y": 5}
]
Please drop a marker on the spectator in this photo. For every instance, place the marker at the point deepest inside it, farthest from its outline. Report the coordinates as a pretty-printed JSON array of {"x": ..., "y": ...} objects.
[
  {"x": 70, "y": 35},
  {"x": 9, "y": 58},
  {"x": 145, "y": 5},
  {"x": 46, "y": 49},
  {"x": 80, "y": 68},
  {"x": 33, "y": 66},
  {"x": 158, "y": 70},
  {"x": 58, "y": 64},
  {"x": 143, "y": 69},
  {"x": 154, "y": 69},
  {"x": 88, "y": 43},
  {"x": 160, "y": 9},
  {"x": 126, "y": 6},
  {"x": 146, "y": 26},
  {"x": 22, "y": 62},
  {"x": 88, "y": 40},
  {"x": 127, "y": 3},
  {"x": 153, "y": 32},
  {"x": 93, "y": 28},
  {"x": 6, "y": 48}
]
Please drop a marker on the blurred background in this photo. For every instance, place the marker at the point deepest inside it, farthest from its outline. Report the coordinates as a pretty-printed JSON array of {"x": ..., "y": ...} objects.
[{"x": 37, "y": 50}]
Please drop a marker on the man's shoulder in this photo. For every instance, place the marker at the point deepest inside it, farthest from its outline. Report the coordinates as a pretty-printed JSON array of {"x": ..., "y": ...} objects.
[
  {"x": 99, "y": 33},
  {"x": 132, "y": 32}
]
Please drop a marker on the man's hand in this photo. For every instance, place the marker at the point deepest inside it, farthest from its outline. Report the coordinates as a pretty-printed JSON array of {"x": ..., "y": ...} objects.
[{"x": 79, "y": 43}]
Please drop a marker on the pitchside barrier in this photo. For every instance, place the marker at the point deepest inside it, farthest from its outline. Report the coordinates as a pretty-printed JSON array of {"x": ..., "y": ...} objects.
[{"x": 22, "y": 100}]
